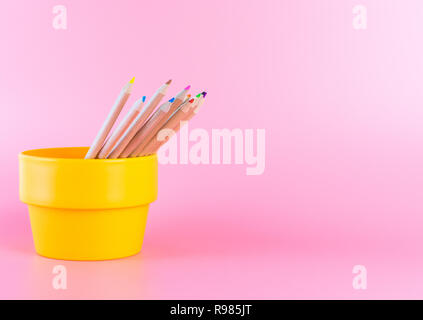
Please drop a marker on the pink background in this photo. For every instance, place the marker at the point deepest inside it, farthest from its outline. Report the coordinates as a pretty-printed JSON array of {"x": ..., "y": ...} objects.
[{"x": 343, "y": 116}]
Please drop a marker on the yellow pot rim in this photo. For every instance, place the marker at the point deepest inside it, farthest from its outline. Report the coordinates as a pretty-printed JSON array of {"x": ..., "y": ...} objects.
[
  {"x": 27, "y": 154},
  {"x": 62, "y": 178}
]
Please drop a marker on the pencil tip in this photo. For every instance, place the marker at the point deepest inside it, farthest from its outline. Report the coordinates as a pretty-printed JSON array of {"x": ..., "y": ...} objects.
[
  {"x": 143, "y": 98},
  {"x": 198, "y": 95},
  {"x": 169, "y": 81},
  {"x": 187, "y": 88},
  {"x": 171, "y": 100},
  {"x": 204, "y": 94},
  {"x": 191, "y": 101},
  {"x": 188, "y": 96},
  {"x": 132, "y": 80}
]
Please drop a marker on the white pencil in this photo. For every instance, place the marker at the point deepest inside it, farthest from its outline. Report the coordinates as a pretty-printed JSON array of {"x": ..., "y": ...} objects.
[
  {"x": 139, "y": 121},
  {"x": 110, "y": 120},
  {"x": 120, "y": 130}
]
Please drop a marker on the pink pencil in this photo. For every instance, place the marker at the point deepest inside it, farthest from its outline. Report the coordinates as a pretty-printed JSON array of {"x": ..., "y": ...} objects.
[
  {"x": 110, "y": 120},
  {"x": 120, "y": 130}
]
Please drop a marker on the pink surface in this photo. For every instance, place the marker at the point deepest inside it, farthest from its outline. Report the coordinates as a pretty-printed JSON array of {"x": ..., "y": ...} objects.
[{"x": 342, "y": 110}]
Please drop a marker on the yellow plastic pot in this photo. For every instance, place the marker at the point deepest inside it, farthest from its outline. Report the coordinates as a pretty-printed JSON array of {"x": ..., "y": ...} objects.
[{"x": 82, "y": 209}]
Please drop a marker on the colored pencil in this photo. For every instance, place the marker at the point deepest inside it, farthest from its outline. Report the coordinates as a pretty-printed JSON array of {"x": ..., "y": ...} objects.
[
  {"x": 157, "y": 117},
  {"x": 171, "y": 123},
  {"x": 139, "y": 122},
  {"x": 123, "y": 126},
  {"x": 174, "y": 123},
  {"x": 110, "y": 120},
  {"x": 153, "y": 125},
  {"x": 185, "y": 113}
]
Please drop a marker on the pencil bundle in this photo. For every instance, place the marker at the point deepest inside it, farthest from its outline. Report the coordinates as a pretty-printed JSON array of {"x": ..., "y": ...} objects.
[{"x": 140, "y": 133}]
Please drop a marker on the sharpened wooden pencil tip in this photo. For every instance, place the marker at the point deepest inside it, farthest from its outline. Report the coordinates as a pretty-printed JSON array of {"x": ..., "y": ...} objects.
[
  {"x": 132, "y": 80},
  {"x": 169, "y": 81}
]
